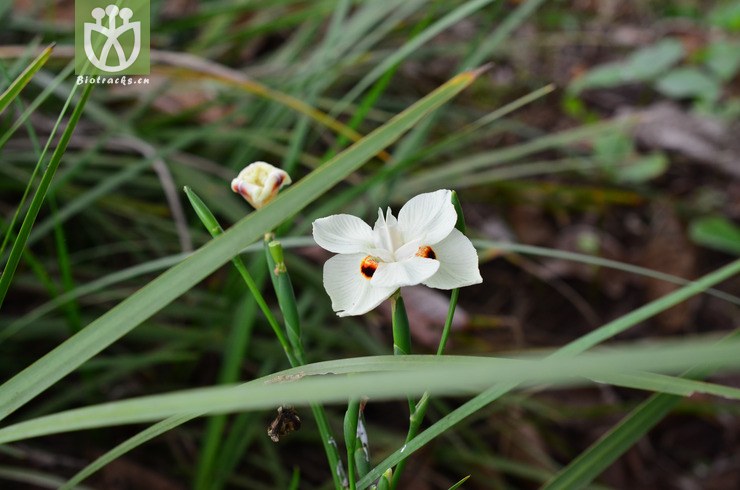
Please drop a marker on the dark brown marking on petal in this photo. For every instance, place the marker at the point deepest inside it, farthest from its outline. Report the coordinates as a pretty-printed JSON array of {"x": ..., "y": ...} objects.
[
  {"x": 426, "y": 252},
  {"x": 368, "y": 267},
  {"x": 279, "y": 181}
]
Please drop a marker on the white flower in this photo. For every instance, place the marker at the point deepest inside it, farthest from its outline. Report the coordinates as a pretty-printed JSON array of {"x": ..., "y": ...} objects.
[
  {"x": 259, "y": 183},
  {"x": 422, "y": 246}
]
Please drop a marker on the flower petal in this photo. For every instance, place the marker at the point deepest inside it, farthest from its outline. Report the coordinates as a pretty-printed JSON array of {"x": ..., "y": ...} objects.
[
  {"x": 429, "y": 217},
  {"x": 409, "y": 272},
  {"x": 386, "y": 234},
  {"x": 351, "y": 293},
  {"x": 458, "y": 263},
  {"x": 343, "y": 234}
]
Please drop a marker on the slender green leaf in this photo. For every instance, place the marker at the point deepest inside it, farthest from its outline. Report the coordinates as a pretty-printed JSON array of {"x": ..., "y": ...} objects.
[
  {"x": 385, "y": 377},
  {"x": 22, "y": 80},
  {"x": 661, "y": 383},
  {"x": 464, "y": 10},
  {"x": 459, "y": 484},
  {"x": 464, "y": 166},
  {"x": 20, "y": 242}
]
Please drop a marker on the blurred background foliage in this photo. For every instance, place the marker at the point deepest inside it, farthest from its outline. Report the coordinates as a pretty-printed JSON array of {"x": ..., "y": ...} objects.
[{"x": 606, "y": 128}]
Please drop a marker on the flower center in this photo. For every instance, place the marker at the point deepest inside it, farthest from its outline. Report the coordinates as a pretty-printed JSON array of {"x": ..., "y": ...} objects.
[
  {"x": 426, "y": 252},
  {"x": 368, "y": 266}
]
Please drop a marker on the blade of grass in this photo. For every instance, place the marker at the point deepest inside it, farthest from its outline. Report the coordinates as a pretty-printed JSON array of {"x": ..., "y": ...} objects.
[
  {"x": 35, "y": 479},
  {"x": 589, "y": 464},
  {"x": 203, "y": 69},
  {"x": 468, "y": 164},
  {"x": 660, "y": 383},
  {"x": 65, "y": 270},
  {"x": 512, "y": 21},
  {"x": 38, "y": 198},
  {"x": 142, "y": 437},
  {"x": 378, "y": 88},
  {"x": 494, "y": 248},
  {"x": 105, "y": 187},
  {"x": 459, "y": 138},
  {"x": 43, "y": 96},
  {"x": 464, "y": 10},
  {"x": 36, "y": 145},
  {"x": 389, "y": 379},
  {"x": 121, "y": 319},
  {"x": 22, "y": 80},
  {"x": 415, "y": 141},
  {"x": 619, "y": 439}
]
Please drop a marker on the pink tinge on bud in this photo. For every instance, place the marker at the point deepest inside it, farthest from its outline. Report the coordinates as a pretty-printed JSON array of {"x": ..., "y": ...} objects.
[{"x": 259, "y": 183}]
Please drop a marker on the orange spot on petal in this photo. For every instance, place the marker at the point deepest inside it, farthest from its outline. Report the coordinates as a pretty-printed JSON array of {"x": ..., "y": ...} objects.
[
  {"x": 426, "y": 252},
  {"x": 368, "y": 267}
]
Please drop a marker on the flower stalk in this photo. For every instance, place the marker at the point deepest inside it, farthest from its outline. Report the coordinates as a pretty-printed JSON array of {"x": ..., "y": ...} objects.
[
  {"x": 286, "y": 297},
  {"x": 418, "y": 412},
  {"x": 291, "y": 344},
  {"x": 401, "y": 330},
  {"x": 351, "y": 416},
  {"x": 288, "y": 306},
  {"x": 214, "y": 228}
]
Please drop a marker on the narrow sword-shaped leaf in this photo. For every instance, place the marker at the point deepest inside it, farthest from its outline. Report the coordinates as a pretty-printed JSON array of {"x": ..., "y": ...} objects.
[
  {"x": 384, "y": 377},
  {"x": 22, "y": 80}
]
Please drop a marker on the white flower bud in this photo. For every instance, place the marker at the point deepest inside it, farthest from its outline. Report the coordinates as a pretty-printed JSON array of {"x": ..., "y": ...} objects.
[{"x": 259, "y": 183}]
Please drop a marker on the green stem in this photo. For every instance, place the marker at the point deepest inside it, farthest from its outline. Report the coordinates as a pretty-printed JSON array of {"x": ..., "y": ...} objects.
[
  {"x": 401, "y": 331},
  {"x": 350, "y": 438},
  {"x": 417, "y": 415},
  {"x": 402, "y": 346},
  {"x": 214, "y": 228},
  {"x": 448, "y": 323},
  {"x": 287, "y": 302},
  {"x": 294, "y": 354},
  {"x": 286, "y": 298}
]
